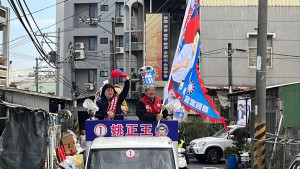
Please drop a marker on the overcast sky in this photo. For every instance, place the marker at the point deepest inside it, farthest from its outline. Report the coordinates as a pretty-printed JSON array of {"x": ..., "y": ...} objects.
[{"x": 22, "y": 51}]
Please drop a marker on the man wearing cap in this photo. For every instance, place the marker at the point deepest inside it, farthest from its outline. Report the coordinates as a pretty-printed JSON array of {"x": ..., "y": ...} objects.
[{"x": 148, "y": 108}]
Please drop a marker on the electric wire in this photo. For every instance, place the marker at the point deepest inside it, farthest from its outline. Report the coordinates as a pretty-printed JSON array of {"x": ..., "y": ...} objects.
[
  {"x": 38, "y": 47},
  {"x": 36, "y": 11},
  {"x": 35, "y": 22}
]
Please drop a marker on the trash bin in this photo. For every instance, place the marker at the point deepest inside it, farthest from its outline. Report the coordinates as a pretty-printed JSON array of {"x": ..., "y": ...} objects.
[{"x": 232, "y": 162}]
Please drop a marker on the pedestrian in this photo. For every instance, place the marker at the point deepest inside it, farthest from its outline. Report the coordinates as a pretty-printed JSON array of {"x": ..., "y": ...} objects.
[
  {"x": 110, "y": 101},
  {"x": 82, "y": 139},
  {"x": 181, "y": 144},
  {"x": 124, "y": 107}
]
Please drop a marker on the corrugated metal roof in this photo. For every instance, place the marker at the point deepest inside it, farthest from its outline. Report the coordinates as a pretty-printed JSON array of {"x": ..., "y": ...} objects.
[
  {"x": 268, "y": 87},
  {"x": 34, "y": 93},
  {"x": 239, "y": 88},
  {"x": 248, "y": 2}
]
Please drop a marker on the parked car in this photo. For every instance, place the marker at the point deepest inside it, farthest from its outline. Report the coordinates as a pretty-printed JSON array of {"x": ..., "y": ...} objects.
[
  {"x": 211, "y": 148},
  {"x": 295, "y": 164}
]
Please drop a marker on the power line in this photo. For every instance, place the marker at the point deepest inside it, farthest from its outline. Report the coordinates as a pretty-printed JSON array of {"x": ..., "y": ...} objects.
[
  {"x": 35, "y": 23},
  {"x": 36, "y": 11},
  {"x": 34, "y": 39}
]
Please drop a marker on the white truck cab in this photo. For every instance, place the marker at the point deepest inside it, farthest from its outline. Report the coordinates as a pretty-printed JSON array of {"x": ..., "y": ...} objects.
[
  {"x": 131, "y": 144},
  {"x": 131, "y": 152},
  {"x": 211, "y": 148}
]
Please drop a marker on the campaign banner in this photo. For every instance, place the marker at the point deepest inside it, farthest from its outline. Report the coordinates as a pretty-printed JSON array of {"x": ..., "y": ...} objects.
[
  {"x": 148, "y": 76},
  {"x": 154, "y": 41},
  {"x": 185, "y": 81},
  {"x": 165, "y": 46},
  {"x": 243, "y": 106},
  {"x": 119, "y": 128}
]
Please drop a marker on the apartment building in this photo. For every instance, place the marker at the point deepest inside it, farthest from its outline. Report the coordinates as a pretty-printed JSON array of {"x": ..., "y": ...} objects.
[{"x": 89, "y": 24}]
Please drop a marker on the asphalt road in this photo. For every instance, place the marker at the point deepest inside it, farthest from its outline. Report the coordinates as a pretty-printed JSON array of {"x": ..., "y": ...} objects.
[{"x": 194, "y": 164}]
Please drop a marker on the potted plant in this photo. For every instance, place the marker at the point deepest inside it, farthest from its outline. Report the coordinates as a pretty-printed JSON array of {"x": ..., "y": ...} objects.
[{"x": 230, "y": 156}]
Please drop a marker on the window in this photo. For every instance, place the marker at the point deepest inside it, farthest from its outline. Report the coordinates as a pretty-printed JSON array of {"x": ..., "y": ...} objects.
[
  {"x": 121, "y": 10},
  {"x": 103, "y": 40},
  {"x": 252, "y": 45},
  {"x": 252, "y": 57},
  {"x": 91, "y": 76},
  {"x": 119, "y": 41},
  {"x": 92, "y": 11},
  {"x": 92, "y": 43},
  {"x": 104, "y": 7},
  {"x": 103, "y": 73}
]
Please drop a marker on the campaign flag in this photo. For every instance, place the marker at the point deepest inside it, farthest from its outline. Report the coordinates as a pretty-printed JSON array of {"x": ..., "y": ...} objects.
[{"x": 184, "y": 77}]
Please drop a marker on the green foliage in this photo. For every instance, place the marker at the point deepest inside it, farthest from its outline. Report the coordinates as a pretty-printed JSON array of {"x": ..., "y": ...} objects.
[
  {"x": 229, "y": 151},
  {"x": 239, "y": 140},
  {"x": 193, "y": 128}
]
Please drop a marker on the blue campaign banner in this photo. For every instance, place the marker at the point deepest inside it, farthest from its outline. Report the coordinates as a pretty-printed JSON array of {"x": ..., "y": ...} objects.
[{"x": 117, "y": 128}]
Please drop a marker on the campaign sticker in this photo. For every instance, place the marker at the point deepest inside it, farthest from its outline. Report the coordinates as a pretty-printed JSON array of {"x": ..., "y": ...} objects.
[
  {"x": 161, "y": 130},
  {"x": 100, "y": 130},
  {"x": 130, "y": 153}
]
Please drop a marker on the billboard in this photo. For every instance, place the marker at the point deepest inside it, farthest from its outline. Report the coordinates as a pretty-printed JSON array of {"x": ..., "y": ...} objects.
[{"x": 157, "y": 44}]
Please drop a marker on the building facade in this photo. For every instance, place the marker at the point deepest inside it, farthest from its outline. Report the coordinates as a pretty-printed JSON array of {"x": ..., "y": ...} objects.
[
  {"x": 236, "y": 22},
  {"x": 4, "y": 58},
  {"x": 88, "y": 24}
]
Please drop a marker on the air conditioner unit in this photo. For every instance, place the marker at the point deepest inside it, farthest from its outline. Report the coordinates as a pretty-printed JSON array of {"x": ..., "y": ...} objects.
[
  {"x": 119, "y": 49},
  {"x": 79, "y": 54},
  {"x": 119, "y": 19},
  {"x": 89, "y": 86},
  {"x": 79, "y": 45}
]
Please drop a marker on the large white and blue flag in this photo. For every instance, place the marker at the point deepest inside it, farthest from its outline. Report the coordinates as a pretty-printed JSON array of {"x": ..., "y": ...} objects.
[{"x": 184, "y": 78}]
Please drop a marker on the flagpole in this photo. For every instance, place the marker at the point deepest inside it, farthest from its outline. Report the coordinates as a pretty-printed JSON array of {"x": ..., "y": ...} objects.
[{"x": 181, "y": 31}]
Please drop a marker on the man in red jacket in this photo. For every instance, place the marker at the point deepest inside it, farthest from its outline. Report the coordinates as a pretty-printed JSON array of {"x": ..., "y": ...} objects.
[{"x": 149, "y": 107}]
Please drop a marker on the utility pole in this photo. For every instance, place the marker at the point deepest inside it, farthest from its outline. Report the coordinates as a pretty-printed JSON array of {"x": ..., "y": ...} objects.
[
  {"x": 230, "y": 51},
  {"x": 57, "y": 62},
  {"x": 114, "y": 63},
  {"x": 73, "y": 80},
  {"x": 36, "y": 74},
  {"x": 260, "y": 101}
]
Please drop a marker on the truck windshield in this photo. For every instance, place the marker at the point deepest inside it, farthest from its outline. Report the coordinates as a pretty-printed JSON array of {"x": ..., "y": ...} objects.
[{"x": 131, "y": 159}]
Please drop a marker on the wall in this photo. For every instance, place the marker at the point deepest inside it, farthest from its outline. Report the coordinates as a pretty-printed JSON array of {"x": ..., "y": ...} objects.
[
  {"x": 223, "y": 25},
  {"x": 247, "y": 3},
  {"x": 290, "y": 95}
]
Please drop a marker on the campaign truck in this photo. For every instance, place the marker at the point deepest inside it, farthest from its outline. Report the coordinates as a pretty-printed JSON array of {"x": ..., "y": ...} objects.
[{"x": 131, "y": 144}]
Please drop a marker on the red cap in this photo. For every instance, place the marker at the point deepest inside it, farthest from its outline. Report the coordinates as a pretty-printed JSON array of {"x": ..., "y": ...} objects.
[{"x": 118, "y": 73}]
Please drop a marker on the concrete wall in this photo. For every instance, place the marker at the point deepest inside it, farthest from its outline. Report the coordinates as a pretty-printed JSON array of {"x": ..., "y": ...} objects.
[{"x": 223, "y": 25}]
